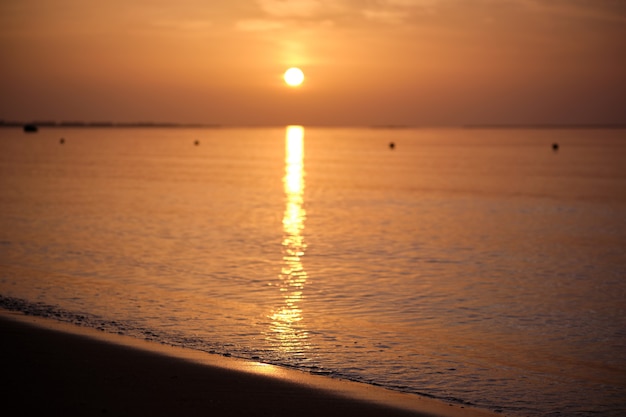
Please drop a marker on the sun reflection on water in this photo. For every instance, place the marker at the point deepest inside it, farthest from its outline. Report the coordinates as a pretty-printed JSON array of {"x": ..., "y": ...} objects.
[{"x": 286, "y": 329}]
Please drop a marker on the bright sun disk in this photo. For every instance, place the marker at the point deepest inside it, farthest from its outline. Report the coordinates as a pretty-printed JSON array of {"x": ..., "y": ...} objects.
[{"x": 294, "y": 77}]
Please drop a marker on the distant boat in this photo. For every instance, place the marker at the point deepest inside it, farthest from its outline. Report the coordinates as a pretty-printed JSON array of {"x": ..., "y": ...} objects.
[{"x": 30, "y": 128}]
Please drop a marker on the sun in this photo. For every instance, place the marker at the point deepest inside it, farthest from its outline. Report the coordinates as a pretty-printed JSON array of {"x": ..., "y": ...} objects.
[{"x": 294, "y": 77}]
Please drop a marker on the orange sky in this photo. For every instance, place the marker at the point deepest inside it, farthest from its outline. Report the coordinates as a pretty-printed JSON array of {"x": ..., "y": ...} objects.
[{"x": 368, "y": 62}]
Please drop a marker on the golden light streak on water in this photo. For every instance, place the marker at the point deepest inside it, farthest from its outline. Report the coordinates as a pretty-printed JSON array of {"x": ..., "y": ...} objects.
[{"x": 286, "y": 329}]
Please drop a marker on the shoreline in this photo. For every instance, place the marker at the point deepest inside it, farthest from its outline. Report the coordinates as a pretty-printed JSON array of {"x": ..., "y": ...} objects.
[{"x": 59, "y": 368}]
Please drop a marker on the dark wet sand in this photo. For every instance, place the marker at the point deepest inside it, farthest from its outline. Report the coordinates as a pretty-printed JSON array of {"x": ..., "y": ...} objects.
[{"x": 57, "y": 369}]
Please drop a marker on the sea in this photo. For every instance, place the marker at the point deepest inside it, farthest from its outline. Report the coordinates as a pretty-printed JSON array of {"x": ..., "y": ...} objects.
[{"x": 484, "y": 267}]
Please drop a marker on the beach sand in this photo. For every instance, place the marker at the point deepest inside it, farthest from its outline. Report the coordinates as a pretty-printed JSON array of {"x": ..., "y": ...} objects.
[{"x": 52, "y": 368}]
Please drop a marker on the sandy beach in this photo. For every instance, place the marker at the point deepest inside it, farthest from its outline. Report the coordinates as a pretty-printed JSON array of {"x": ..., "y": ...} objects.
[{"x": 53, "y": 368}]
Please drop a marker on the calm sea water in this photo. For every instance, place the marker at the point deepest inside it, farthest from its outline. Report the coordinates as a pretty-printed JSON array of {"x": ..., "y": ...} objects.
[{"x": 475, "y": 266}]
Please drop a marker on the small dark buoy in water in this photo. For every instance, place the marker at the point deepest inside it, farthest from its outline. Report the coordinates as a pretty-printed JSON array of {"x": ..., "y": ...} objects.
[
  {"x": 392, "y": 145},
  {"x": 62, "y": 141},
  {"x": 30, "y": 128},
  {"x": 197, "y": 143},
  {"x": 555, "y": 146}
]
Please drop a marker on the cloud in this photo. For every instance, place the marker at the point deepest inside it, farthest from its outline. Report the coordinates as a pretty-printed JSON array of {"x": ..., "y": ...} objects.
[
  {"x": 387, "y": 16},
  {"x": 608, "y": 10},
  {"x": 277, "y": 14},
  {"x": 291, "y": 8},
  {"x": 382, "y": 11},
  {"x": 258, "y": 25}
]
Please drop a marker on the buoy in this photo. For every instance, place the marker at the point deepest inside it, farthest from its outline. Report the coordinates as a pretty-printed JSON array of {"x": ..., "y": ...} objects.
[
  {"x": 30, "y": 128},
  {"x": 197, "y": 143},
  {"x": 555, "y": 146},
  {"x": 62, "y": 141},
  {"x": 392, "y": 145}
]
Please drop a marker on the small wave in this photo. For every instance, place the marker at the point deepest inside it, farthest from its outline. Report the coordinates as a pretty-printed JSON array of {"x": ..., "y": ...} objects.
[{"x": 132, "y": 329}]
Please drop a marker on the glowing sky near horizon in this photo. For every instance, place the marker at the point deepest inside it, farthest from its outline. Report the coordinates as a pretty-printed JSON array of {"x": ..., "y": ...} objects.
[{"x": 408, "y": 62}]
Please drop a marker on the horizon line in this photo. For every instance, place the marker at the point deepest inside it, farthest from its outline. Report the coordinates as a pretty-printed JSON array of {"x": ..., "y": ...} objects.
[{"x": 143, "y": 124}]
